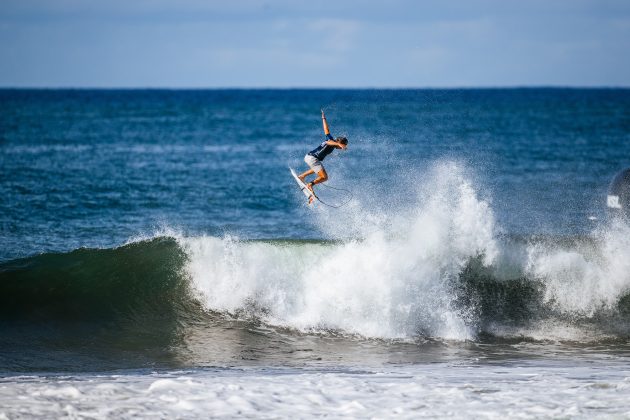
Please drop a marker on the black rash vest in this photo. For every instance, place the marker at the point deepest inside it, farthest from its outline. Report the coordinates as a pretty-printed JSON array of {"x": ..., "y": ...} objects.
[{"x": 323, "y": 149}]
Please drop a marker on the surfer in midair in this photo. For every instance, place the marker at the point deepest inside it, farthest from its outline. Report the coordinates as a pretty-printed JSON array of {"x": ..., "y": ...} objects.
[{"x": 315, "y": 157}]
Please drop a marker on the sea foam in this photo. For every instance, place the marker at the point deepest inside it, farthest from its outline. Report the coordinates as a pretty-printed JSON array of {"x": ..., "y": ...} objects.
[
  {"x": 405, "y": 274},
  {"x": 395, "y": 282},
  {"x": 584, "y": 280}
]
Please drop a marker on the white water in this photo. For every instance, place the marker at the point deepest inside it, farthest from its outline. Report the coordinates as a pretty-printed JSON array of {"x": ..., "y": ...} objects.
[
  {"x": 588, "y": 390},
  {"x": 395, "y": 283},
  {"x": 398, "y": 281},
  {"x": 582, "y": 281}
]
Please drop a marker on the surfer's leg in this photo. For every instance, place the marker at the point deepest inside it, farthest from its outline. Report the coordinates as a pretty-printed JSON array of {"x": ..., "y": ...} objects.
[
  {"x": 322, "y": 176},
  {"x": 305, "y": 174}
]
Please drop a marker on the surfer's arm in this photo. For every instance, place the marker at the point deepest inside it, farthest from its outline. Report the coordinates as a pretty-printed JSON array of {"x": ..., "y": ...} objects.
[
  {"x": 336, "y": 144},
  {"x": 326, "y": 130},
  {"x": 331, "y": 141}
]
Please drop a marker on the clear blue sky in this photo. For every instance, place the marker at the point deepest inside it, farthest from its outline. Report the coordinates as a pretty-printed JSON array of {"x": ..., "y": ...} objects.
[{"x": 295, "y": 43}]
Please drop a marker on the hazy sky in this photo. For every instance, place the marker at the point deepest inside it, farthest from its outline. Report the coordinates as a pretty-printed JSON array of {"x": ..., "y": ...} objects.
[{"x": 294, "y": 43}]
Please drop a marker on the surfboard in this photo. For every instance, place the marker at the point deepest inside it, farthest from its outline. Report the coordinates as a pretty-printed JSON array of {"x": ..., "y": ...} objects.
[{"x": 302, "y": 185}]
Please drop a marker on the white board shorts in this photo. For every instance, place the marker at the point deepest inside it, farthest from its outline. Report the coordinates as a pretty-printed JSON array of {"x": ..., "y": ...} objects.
[{"x": 314, "y": 163}]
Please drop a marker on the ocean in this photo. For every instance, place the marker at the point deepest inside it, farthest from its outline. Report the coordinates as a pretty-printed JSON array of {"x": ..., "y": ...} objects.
[{"x": 158, "y": 260}]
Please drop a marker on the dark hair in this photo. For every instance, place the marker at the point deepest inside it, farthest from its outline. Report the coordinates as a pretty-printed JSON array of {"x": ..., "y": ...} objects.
[{"x": 342, "y": 140}]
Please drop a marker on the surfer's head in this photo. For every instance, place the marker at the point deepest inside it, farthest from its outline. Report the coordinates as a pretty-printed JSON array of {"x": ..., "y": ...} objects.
[{"x": 342, "y": 140}]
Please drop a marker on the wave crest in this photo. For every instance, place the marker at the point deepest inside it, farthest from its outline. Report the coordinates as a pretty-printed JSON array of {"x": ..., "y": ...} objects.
[{"x": 397, "y": 282}]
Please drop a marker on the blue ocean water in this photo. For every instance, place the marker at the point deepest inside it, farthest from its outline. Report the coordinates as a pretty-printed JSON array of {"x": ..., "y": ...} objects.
[
  {"x": 156, "y": 253},
  {"x": 96, "y": 167}
]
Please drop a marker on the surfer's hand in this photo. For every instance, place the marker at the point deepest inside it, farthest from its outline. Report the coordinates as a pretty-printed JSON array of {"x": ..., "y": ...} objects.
[{"x": 323, "y": 116}]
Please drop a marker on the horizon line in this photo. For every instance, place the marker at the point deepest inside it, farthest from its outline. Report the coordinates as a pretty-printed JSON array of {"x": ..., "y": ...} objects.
[{"x": 314, "y": 87}]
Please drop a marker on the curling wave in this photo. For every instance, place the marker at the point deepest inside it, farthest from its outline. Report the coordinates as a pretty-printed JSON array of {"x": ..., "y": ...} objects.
[{"x": 440, "y": 270}]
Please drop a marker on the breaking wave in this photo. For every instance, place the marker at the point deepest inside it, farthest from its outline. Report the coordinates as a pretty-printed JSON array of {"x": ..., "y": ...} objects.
[{"x": 440, "y": 270}]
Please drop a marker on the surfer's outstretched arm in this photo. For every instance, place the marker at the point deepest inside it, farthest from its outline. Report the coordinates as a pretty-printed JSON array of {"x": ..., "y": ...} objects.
[
  {"x": 330, "y": 140},
  {"x": 326, "y": 130}
]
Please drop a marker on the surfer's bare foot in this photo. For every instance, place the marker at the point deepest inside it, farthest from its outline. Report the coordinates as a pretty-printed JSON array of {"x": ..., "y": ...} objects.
[{"x": 312, "y": 197}]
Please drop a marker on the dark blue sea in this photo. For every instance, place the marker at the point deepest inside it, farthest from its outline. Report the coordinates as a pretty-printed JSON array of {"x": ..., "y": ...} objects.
[{"x": 157, "y": 258}]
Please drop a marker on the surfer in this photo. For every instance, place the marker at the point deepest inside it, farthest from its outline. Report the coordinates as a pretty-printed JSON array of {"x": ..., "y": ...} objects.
[{"x": 315, "y": 157}]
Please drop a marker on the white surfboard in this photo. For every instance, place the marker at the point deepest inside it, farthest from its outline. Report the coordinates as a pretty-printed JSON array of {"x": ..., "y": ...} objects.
[{"x": 302, "y": 185}]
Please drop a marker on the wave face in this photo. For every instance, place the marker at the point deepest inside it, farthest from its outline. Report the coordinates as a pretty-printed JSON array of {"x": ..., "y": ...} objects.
[
  {"x": 95, "y": 308},
  {"x": 441, "y": 270},
  {"x": 94, "y": 284}
]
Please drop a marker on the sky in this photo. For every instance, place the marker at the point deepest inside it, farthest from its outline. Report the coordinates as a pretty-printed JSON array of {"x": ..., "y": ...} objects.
[{"x": 325, "y": 43}]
